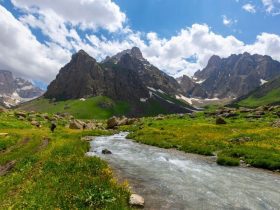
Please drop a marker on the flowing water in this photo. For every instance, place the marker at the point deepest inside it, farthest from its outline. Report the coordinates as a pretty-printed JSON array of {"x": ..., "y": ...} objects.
[{"x": 175, "y": 180}]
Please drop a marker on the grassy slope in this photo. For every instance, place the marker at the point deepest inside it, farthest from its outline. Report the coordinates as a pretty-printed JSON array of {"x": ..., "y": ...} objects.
[
  {"x": 91, "y": 108},
  {"x": 57, "y": 175},
  {"x": 252, "y": 101},
  {"x": 202, "y": 136}
]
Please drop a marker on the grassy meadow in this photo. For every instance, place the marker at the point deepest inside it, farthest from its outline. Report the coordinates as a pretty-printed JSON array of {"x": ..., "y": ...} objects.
[
  {"x": 99, "y": 107},
  {"x": 201, "y": 135},
  {"x": 271, "y": 97},
  {"x": 51, "y": 170}
]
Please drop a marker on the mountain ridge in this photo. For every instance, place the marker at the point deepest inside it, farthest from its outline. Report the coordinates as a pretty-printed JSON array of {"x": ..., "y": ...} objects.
[
  {"x": 126, "y": 77},
  {"x": 14, "y": 91},
  {"x": 231, "y": 77}
]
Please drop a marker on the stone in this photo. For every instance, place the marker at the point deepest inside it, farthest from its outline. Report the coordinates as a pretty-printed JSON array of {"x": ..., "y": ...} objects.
[
  {"x": 131, "y": 121},
  {"x": 35, "y": 123},
  {"x": 122, "y": 121},
  {"x": 112, "y": 123},
  {"x": 45, "y": 116},
  {"x": 76, "y": 124},
  {"x": 90, "y": 126},
  {"x": 230, "y": 114},
  {"x": 276, "y": 124},
  {"x": 106, "y": 152},
  {"x": 136, "y": 200},
  {"x": 87, "y": 138},
  {"x": 253, "y": 116},
  {"x": 3, "y": 134},
  {"x": 220, "y": 121},
  {"x": 20, "y": 114},
  {"x": 245, "y": 110},
  {"x": 21, "y": 118}
]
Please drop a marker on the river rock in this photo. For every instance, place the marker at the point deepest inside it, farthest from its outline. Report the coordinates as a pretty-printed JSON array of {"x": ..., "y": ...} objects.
[
  {"x": 106, "y": 152},
  {"x": 136, "y": 200}
]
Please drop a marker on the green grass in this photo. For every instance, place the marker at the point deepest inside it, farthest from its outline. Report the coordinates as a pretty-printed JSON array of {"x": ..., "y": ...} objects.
[
  {"x": 202, "y": 136},
  {"x": 99, "y": 107},
  {"x": 57, "y": 175},
  {"x": 270, "y": 98}
]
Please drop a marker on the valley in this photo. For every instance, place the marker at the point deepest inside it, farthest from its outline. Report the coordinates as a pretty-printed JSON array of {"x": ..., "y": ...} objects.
[
  {"x": 103, "y": 131},
  {"x": 140, "y": 104},
  {"x": 36, "y": 163}
]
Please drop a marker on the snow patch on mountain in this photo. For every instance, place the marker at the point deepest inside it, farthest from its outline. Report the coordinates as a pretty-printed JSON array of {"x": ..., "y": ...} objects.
[{"x": 262, "y": 81}]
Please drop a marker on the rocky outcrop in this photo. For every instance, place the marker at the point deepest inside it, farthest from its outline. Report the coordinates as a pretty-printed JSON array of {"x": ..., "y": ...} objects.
[
  {"x": 232, "y": 77},
  {"x": 113, "y": 122}
]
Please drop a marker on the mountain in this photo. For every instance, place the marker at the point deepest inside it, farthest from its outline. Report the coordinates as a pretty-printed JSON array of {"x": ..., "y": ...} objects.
[
  {"x": 267, "y": 94},
  {"x": 16, "y": 90},
  {"x": 231, "y": 77},
  {"x": 126, "y": 76}
]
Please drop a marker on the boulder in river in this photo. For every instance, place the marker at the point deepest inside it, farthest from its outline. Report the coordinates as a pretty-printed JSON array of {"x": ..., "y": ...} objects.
[
  {"x": 136, "y": 200},
  {"x": 106, "y": 152}
]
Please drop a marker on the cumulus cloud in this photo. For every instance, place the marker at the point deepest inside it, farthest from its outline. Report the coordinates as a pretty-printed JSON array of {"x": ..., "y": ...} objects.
[
  {"x": 90, "y": 14},
  {"x": 249, "y": 8},
  {"x": 22, "y": 53}
]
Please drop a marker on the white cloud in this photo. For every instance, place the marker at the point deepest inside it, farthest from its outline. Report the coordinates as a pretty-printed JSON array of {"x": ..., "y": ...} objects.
[
  {"x": 227, "y": 21},
  {"x": 272, "y": 6},
  {"x": 90, "y": 14},
  {"x": 22, "y": 53},
  {"x": 249, "y": 8}
]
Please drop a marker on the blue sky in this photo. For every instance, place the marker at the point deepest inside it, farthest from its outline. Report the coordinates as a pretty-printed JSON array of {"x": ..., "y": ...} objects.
[
  {"x": 166, "y": 17},
  {"x": 178, "y": 36}
]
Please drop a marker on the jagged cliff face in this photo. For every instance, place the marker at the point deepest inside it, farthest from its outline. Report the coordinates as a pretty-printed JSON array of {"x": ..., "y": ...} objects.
[
  {"x": 150, "y": 75},
  {"x": 231, "y": 77},
  {"x": 84, "y": 77},
  {"x": 14, "y": 91},
  {"x": 126, "y": 76}
]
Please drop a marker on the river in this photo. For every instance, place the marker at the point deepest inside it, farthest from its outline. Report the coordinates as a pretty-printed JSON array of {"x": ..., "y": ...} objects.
[{"x": 174, "y": 180}]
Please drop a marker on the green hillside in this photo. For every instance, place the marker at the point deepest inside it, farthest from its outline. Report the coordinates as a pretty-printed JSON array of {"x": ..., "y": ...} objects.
[
  {"x": 99, "y": 107},
  {"x": 267, "y": 94}
]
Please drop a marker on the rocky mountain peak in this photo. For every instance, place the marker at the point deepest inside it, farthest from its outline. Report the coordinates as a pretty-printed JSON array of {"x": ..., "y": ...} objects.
[
  {"x": 81, "y": 55},
  {"x": 214, "y": 60},
  {"x": 136, "y": 52},
  {"x": 16, "y": 90},
  {"x": 234, "y": 76}
]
